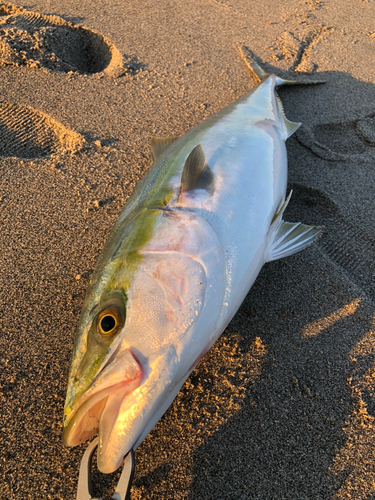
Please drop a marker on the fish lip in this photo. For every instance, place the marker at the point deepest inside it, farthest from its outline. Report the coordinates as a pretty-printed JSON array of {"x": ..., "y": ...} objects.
[
  {"x": 85, "y": 395},
  {"x": 82, "y": 409},
  {"x": 126, "y": 370}
]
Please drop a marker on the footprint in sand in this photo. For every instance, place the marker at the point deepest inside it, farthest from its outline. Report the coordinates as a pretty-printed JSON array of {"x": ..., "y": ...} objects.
[
  {"x": 49, "y": 42},
  {"x": 296, "y": 48},
  {"x": 28, "y": 133},
  {"x": 343, "y": 242},
  {"x": 341, "y": 141}
]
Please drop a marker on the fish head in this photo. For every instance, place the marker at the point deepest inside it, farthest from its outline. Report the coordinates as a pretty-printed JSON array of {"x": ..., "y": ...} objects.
[
  {"x": 100, "y": 369},
  {"x": 142, "y": 330}
]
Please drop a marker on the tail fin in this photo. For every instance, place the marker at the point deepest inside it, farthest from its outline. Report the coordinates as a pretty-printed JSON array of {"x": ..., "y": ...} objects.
[
  {"x": 252, "y": 64},
  {"x": 261, "y": 74}
]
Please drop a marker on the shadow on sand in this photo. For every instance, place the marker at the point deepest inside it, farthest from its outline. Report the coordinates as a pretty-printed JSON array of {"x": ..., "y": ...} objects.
[{"x": 305, "y": 426}]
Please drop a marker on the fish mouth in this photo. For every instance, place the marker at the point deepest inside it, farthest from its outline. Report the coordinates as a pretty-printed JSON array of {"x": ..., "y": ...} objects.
[{"x": 97, "y": 408}]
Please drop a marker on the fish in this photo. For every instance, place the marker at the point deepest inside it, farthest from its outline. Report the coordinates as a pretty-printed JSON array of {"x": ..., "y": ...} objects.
[{"x": 181, "y": 258}]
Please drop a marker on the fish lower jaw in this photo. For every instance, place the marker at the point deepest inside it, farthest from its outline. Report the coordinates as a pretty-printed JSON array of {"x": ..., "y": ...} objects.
[
  {"x": 108, "y": 466},
  {"x": 102, "y": 399},
  {"x": 87, "y": 419},
  {"x": 86, "y": 427}
]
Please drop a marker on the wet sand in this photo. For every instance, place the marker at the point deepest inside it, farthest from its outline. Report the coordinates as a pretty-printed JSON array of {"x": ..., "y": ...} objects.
[{"x": 283, "y": 406}]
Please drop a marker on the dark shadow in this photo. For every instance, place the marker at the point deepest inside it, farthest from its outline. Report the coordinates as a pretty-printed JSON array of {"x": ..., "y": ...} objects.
[
  {"x": 103, "y": 485},
  {"x": 81, "y": 49},
  {"x": 153, "y": 478},
  {"x": 285, "y": 439}
]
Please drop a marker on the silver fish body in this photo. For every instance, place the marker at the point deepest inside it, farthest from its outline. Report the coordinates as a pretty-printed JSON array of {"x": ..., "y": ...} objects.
[{"x": 180, "y": 260}]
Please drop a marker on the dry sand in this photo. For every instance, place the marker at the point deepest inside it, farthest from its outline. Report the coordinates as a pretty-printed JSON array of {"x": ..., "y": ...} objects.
[{"x": 283, "y": 406}]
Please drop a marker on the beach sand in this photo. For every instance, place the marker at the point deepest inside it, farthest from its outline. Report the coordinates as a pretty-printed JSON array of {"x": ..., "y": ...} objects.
[{"x": 283, "y": 406}]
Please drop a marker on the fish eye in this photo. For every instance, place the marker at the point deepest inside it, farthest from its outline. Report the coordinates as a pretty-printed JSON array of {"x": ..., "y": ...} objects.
[{"x": 109, "y": 321}]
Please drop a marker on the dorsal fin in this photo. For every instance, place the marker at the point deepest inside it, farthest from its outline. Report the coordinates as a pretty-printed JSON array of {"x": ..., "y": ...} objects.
[
  {"x": 158, "y": 146},
  {"x": 290, "y": 127},
  {"x": 196, "y": 173}
]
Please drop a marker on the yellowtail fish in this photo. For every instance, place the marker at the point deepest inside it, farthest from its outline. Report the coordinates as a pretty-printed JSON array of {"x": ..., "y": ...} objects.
[{"x": 178, "y": 263}]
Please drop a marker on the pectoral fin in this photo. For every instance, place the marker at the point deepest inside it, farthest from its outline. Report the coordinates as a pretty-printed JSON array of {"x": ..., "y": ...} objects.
[{"x": 286, "y": 238}]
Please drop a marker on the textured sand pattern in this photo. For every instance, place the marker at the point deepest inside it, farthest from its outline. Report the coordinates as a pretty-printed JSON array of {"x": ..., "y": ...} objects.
[
  {"x": 343, "y": 242},
  {"x": 297, "y": 48},
  {"x": 27, "y": 133},
  {"x": 200, "y": 422},
  {"x": 354, "y": 464},
  {"x": 342, "y": 141},
  {"x": 49, "y": 42}
]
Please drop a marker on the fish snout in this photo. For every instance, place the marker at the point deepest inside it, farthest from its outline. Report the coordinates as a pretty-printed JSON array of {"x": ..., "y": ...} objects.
[{"x": 102, "y": 399}]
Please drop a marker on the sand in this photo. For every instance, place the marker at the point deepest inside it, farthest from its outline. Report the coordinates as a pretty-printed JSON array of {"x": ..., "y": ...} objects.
[{"x": 283, "y": 406}]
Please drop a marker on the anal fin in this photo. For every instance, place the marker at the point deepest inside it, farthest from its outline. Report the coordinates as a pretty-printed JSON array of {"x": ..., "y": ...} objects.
[{"x": 287, "y": 238}]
